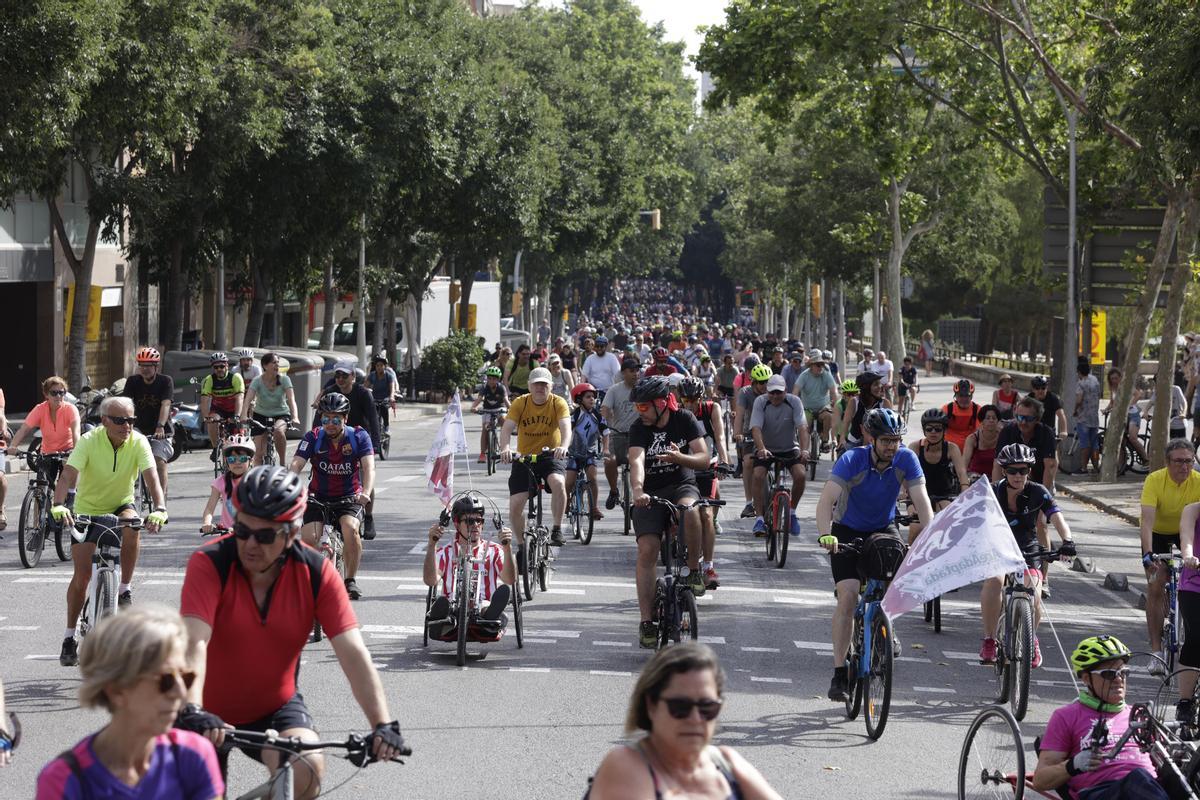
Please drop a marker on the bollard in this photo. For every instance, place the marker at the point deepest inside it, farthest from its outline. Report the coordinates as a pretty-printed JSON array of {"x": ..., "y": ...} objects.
[
  {"x": 1141, "y": 601},
  {"x": 1080, "y": 564},
  {"x": 1116, "y": 581}
]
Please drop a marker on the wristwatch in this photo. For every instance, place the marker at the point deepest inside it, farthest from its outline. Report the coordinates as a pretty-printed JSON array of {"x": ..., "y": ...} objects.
[{"x": 1072, "y": 770}]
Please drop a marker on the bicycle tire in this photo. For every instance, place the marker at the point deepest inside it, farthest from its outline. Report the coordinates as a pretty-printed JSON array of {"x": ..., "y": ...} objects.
[
  {"x": 1136, "y": 464},
  {"x": 626, "y": 502},
  {"x": 769, "y": 516},
  {"x": 529, "y": 577},
  {"x": 992, "y": 761},
  {"x": 659, "y": 613},
  {"x": 814, "y": 448},
  {"x": 1003, "y": 661},
  {"x": 385, "y": 445},
  {"x": 460, "y": 657},
  {"x": 1022, "y": 658},
  {"x": 106, "y": 596},
  {"x": 854, "y": 684},
  {"x": 60, "y": 543},
  {"x": 493, "y": 451},
  {"x": 877, "y": 693},
  {"x": 85, "y": 618},
  {"x": 543, "y": 574},
  {"x": 177, "y": 444},
  {"x": 1167, "y": 650},
  {"x": 517, "y": 621},
  {"x": 589, "y": 524},
  {"x": 689, "y": 617},
  {"x": 425, "y": 624},
  {"x": 573, "y": 517},
  {"x": 937, "y": 614},
  {"x": 30, "y": 533},
  {"x": 784, "y": 501}
]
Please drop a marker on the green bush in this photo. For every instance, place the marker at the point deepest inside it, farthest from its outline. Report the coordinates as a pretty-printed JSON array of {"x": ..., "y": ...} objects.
[{"x": 454, "y": 361}]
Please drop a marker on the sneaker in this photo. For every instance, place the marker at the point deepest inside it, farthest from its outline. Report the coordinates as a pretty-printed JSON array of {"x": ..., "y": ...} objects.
[
  {"x": 1045, "y": 591},
  {"x": 717, "y": 529},
  {"x": 987, "y": 652},
  {"x": 748, "y": 511},
  {"x": 695, "y": 582},
  {"x": 1037, "y": 654},
  {"x": 482, "y": 458},
  {"x": 711, "y": 581},
  {"x": 897, "y": 648},
  {"x": 838, "y": 686},
  {"x": 352, "y": 589},
  {"x": 648, "y": 635},
  {"x": 611, "y": 502},
  {"x": 556, "y": 537},
  {"x": 368, "y": 528},
  {"x": 795, "y": 525},
  {"x": 1157, "y": 668},
  {"x": 125, "y": 598},
  {"x": 826, "y": 447},
  {"x": 69, "y": 657},
  {"x": 760, "y": 527}
]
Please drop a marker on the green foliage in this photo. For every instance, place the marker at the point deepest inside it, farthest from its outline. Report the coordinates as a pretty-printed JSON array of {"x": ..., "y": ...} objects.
[{"x": 453, "y": 361}]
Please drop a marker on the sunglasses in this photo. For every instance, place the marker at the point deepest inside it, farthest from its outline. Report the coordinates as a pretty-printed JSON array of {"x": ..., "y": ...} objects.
[
  {"x": 1112, "y": 674},
  {"x": 237, "y": 459},
  {"x": 681, "y": 708},
  {"x": 1026, "y": 418},
  {"x": 220, "y": 366},
  {"x": 123, "y": 420},
  {"x": 471, "y": 522},
  {"x": 935, "y": 429},
  {"x": 261, "y": 535},
  {"x": 168, "y": 680},
  {"x": 331, "y": 420},
  {"x": 643, "y": 406},
  {"x": 57, "y": 392},
  {"x": 1016, "y": 470},
  {"x": 888, "y": 441}
]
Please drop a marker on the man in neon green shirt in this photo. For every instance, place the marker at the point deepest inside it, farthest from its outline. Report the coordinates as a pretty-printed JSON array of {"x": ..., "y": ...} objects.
[{"x": 105, "y": 464}]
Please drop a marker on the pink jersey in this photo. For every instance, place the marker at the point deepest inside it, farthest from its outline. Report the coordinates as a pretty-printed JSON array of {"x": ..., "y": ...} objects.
[
  {"x": 492, "y": 564},
  {"x": 228, "y": 512},
  {"x": 1070, "y": 730}
]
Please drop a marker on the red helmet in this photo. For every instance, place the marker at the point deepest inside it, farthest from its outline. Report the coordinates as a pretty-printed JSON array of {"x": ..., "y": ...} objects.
[
  {"x": 580, "y": 388},
  {"x": 660, "y": 354},
  {"x": 964, "y": 386},
  {"x": 148, "y": 355}
]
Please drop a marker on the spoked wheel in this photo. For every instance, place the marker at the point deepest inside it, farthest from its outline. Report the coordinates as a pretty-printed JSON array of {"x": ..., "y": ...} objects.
[
  {"x": 30, "y": 534},
  {"x": 783, "y": 526},
  {"x": 587, "y": 524},
  {"x": 854, "y": 686},
  {"x": 933, "y": 613},
  {"x": 574, "y": 515},
  {"x": 177, "y": 444},
  {"x": 517, "y": 621},
  {"x": 425, "y": 626},
  {"x": 1021, "y": 660},
  {"x": 493, "y": 451},
  {"x": 814, "y": 454},
  {"x": 106, "y": 605},
  {"x": 689, "y": 621},
  {"x": 61, "y": 536},
  {"x": 992, "y": 762},
  {"x": 660, "y": 613},
  {"x": 529, "y": 578},
  {"x": 543, "y": 570},
  {"x": 461, "y": 657},
  {"x": 877, "y": 694},
  {"x": 385, "y": 445}
]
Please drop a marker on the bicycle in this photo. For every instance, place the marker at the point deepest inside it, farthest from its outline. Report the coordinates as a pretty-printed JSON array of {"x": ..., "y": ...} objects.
[
  {"x": 1130, "y": 460},
  {"x": 143, "y": 501},
  {"x": 101, "y": 599},
  {"x": 932, "y": 608},
  {"x": 281, "y": 786},
  {"x": 384, "y": 409},
  {"x": 270, "y": 455},
  {"x": 778, "y": 495},
  {"x": 331, "y": 542},
  {"x": 579, "y": 507},
  {"x": 1168, "y": 652},
  {"x": 675, "y": 610},
  {"x": 1014, "y": 638},
  {"x": 626, "y": 499},
  {"x": 227, "y": 426},
  {"x": 538, "y": 553},
  {"x": 490, "y": 420},
  {"x": 35, "y": 522}
]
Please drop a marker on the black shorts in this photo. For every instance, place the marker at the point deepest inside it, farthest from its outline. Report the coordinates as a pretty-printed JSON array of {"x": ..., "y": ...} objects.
[
  {"x": 1161, "y": 543},
  {"x": 520, "y": 481},
  {"x": 746, "y": 447},
  {"x": 292, "y": 714},
  {"x": 213, "y": 411},
  {"x": 707, "y": 483},
  {"x": 269, "y": 422},
  {"x": 338, "y": 507},
  {"x": 94, "y": 531},
  {"x": 788, "y": 457},
  {"x": 653, "y": 520},
  {"x": 844, "y": 564}
]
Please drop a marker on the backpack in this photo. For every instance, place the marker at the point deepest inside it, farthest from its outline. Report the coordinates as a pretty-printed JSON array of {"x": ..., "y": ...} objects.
[{"x": 586, "y": 434}]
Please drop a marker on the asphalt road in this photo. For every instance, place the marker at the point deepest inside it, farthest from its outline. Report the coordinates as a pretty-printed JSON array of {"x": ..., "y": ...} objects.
[{"x": 536, "y": 722}]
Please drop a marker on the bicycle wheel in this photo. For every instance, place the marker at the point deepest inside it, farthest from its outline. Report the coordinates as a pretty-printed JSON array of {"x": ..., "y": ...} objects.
[
  {"x": 1003, "y": 662},
  {"x": 529, "y": 577},
  {"x": 493, "y": 450},
  {"x": 854, "y": 685},
  {"x": 877, "y": 693},
  {"x": 937, "y": 614},
  {"x": 626, "y": 501},
  {"x": 543, "y": 574},
  {"x": 660, "y": 612},
  {"x": 1022, "y": 657},
  {"x": 1137, "y": 464},
  {"x": 517, "y": 621},
  {"x": 992, "y": 761},
  {"x": 814, "y": 449},
  {"x": 425, "y": 619},
  {"x": 62, "y": 540},
  {"x": 783, "y": 525},
  {"x": 30, "y": 533},
  {"x": 689, "y": 619},
  {"x": 461, "y": 656},
  {"x": 573, "y": 516},
  {"x": 588, "y": 524},
  {"x": 106, "y": 602},
  {"x": 385, "y": 445}
]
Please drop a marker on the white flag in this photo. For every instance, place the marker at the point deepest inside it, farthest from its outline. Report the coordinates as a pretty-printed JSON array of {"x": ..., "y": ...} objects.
[
  {"x": 439, "y": 462},
  {"x": 967, "y": 541}
]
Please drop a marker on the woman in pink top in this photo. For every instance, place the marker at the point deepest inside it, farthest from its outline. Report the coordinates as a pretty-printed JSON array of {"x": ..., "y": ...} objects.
[{"x": 58, "y": 421}]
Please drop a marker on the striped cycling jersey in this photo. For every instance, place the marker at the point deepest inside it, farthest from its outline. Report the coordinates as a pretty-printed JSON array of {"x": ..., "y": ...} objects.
[
  {"x": 223, "y": 391},
  {"x": 490, "y": 568},
  {"x": 336, "y": 470}
]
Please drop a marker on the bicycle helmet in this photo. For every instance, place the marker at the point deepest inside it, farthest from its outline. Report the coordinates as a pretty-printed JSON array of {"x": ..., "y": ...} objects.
[
  {"x": 630, "y": 362},
  {"x": 751, "y": 362},
  {"x": 218, "y": 358},
  {"x": 964, "y": 386},
  {"x": 148, "y": 355},
  {"x": 467, "y": 504},
  {"x": 651, "y": 387},
  {"x": 660, "y": 354},
  {"x": 237, "y": 441},
  {"x": 493, "y": 372},
  {"x": 359, "y": 376},
  {"x": 849, "y": 387},
  {"x": 334, "y": 403},
  {"x": 1096, "y": 650},
  {"x": 883, "y": 422},
  {"x": 691, "y": 387},
  {"x": 272, "y": 492},
  {"x": 580, "y": 388},
  {"x": 601, "y": 341},
  {"x": 935, "y": 416},
  {"x": 1016, "y": 453},
  {"x": 1039, "y": 382},
  {"x": 761, "y": 373},
  {"x": 827, "y": 355},
  {"x": 244, "y": 352},
  {"x": 866, "y": 380}
]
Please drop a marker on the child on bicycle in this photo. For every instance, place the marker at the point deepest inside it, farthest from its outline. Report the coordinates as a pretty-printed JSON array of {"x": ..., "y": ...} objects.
[
  {"x": 907, "y": 388},
  {"x": 237, "y": 452},
  {"x": 493, "y": 396},
  {"x": 589, "y": 440}
]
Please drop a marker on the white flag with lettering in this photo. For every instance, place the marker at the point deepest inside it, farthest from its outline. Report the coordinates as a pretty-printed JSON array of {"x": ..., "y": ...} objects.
[
  {"x": 967, "y": 541},
  {"x": 439, "y": 462}
]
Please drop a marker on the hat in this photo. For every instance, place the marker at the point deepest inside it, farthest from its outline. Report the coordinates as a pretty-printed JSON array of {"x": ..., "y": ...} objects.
[
  {"x": 795, "y": 355},
  {"x": 816, "y": 358},
  {"x": 540, "y": 375},
  {"x": 554, "y": 358},
  {"x": 344, "y": 366},
  {"x": 776, "y": 383}
]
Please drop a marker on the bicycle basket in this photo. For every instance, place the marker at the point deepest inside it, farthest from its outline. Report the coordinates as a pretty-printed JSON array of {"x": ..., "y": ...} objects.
[{"x": 881, "y": 557}]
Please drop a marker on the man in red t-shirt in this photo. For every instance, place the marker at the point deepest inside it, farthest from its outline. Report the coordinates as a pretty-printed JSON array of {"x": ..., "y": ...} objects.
[{"x": 249, "y": 602}]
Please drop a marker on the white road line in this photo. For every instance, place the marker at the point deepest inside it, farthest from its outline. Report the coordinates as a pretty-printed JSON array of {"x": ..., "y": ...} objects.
[
  {"x": 557, "y": 634},
  {"x": 389, "y": 635},
  {"x": 527, "y": 640},
  {"x": 566, "y": 591},
  {"x": 612, "y": 644},
  {"x": 406, "y": 629},
  {"x": 41, "y": 658},
  {"x": 161, "y": 582},
  {"x": 528, "y": 669},
  {"x": 19, "y": 627},
  {"x": 419, "y": 549},
  {"x": 613, "y": 672},
  {"x": 381, "y": 489},
  {"x": 712, "y": 639},
  {"x": 56, "y": 579},
  {"x": 403, "y": 478},
  {"x": 960, "y": 655},
  {"x": 762, "y": 649},
  {"x": 934, "y": 689},
  {"x": 915, "y": 659},
  {"x": 798, "y": 601},
  {"x": 814, "y": 645},
  {"x": 757, "y": 679}
]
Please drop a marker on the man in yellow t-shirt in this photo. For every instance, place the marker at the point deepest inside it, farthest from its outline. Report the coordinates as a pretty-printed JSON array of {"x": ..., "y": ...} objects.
[
  {"x": 541, "y": 420},
  {"x": 1164, "y": 494}
]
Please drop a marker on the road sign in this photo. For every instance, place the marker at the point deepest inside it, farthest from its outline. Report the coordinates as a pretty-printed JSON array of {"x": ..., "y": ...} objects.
[{"x": 1099, "y": 335}]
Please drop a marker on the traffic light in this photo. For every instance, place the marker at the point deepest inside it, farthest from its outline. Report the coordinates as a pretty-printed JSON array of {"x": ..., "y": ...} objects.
[
  {"x": 816, "y": 300},
  {"x": 516, "y": 302}
]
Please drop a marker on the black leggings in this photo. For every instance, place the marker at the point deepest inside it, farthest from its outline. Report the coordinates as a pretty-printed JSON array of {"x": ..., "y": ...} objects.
[{"x": 1189, "y": 611}]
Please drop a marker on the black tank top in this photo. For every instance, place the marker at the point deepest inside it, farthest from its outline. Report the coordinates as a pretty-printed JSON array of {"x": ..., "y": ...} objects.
[
  {"x": 860, "y": 413},
  {"x": 939, "y": 476}
]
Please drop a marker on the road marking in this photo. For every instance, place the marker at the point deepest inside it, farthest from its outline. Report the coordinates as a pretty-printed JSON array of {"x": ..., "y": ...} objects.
[
  {"x": 712, "y": 639},
  {"x": 407, "y": 629},
  {"x": 41, "y": 658},
  {"x": 389, "y": 635},
  {"x": 566, "y": 591},
  {"x": 757, "y": 679},
  {"x": 798, "y": 601},
  {"x": 381, "y": 489},
  {"x": 528, "y": 669},
  {"x": 56, "y": 579},
  {"x": 762, "y": 649},
  {"x": 161, "y": 582},
  {"x": 960, "y": 655},
  {"x": 814, "y": 645},
  {"x": 616, "y": 673},
  {"x": 557, "y": 634},
  {"x": 612, "y": 644},
  {"x": 418, "y": 549},
  {"x": 527, "y": 640},
  {"x": 403, "y": 478},
  {"x": 19, "y": 627},
  {"x": 915, "y": 659},
  {"x": 934, "y": 689}
]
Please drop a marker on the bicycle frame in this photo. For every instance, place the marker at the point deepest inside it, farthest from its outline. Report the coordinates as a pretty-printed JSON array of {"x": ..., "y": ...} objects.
[
  {"x": 538, "y": 553},
  {"x": 100, "y": 600},
  {"x": 1169, "y": 649},
  {"x": 870, "y": 603}
]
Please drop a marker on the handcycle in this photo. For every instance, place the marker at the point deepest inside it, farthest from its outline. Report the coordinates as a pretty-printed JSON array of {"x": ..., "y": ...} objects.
[
  {"x": 1129, "y": 460},
  {"x": 467, "y": 603},
  {"x": 383, "y": 408},
  {"x": 36, "y": 524},
  {"x": 675, "y": 610},
  {"x": 331, "y": 542},
  {"x": 490, "y": 419},
  {"x": 777, "y": 492},
  {"x": 100, "y": 602},
  {"x": 1172, "y": 630},
  {"x": 1014, "y": 636},
  {"x": 281, "y": 785},
  {"x": 538, "y": 553}
]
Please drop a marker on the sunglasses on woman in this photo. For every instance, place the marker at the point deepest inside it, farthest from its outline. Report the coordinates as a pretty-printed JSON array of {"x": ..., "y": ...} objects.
[
  {"x": 261, "y": 535},
  {"x": 934, "y": 429},
  {"x": 1112, "y": 674},
  {"x": 168, "y": 680},
  {"x": 57, "y": 392},
  {"x": 1016, "y": 470},
  {"x": 681, "y": 708}
]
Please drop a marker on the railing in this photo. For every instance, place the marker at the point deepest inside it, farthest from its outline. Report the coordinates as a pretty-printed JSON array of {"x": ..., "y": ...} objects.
[{"x": 949, "y": 353}]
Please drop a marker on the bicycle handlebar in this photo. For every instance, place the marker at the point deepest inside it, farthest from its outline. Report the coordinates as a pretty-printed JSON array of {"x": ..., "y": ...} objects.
[
  {"x": 217, "y": 530},
  {"x": 662, "y": 501},
  {"x": 354, "y": 745}
]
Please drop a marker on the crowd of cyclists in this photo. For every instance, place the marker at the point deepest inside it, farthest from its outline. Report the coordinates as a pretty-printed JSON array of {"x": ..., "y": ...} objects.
[{"x": 648, "y": 381}]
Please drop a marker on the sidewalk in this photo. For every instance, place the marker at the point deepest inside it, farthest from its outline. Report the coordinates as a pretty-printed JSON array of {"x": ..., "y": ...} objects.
[{"x": 1121, "y": 499}]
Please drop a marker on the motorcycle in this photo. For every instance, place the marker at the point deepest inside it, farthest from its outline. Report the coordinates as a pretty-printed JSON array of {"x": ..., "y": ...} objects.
[{"x": 190, "y": 431}]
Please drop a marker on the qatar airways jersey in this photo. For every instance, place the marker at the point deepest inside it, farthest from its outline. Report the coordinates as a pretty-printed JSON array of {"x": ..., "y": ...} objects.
[{"x": 335, "y": 465}]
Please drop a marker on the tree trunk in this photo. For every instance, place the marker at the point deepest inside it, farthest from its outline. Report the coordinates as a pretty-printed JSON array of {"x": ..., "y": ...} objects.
[
  {"x": 277, "y": 316},
  {"x": 379, "y": 342},
  {"x": 81, "y": 268},
  {"x": 172, "y": 292},
  {"x": 258, "y": 306},
  {"x": 1139, "y": 329},
  {"x": 327, "y": 316}
]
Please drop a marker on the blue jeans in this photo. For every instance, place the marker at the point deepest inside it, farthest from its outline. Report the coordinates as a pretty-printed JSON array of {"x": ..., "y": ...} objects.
[
  {"x": 1137, "y": 785},
  {"x": 1089, "y": 437}
]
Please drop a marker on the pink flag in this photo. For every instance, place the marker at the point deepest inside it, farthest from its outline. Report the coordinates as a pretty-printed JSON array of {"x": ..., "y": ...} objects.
[{"x": 439, "y": 462}]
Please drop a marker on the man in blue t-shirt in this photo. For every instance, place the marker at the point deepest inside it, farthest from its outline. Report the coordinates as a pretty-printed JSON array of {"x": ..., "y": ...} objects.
[
  {"x": 858, "y": 502},
  {"x": 343, "y": 475}
]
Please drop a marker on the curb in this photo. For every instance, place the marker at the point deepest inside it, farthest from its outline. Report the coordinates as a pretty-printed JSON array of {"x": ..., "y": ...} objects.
[{"x": 1072, "y": 492}]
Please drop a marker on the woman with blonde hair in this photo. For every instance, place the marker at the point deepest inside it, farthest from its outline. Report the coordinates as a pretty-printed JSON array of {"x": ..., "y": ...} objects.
[
  {"x": 133, "y": 665},
  {"x": 676, "y": 702},
  {"x": 925, "y": 353}
]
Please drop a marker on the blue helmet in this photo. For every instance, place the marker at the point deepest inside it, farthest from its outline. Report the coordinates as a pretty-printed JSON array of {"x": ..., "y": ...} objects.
[{"x": 884, "y": 422}]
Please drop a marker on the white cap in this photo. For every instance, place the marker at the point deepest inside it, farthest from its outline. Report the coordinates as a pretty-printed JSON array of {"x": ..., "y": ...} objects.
[
  {"x": 540, "y": 375},
  {"x": 776, "y": 383},
  {"x": 344, "y": 366}
]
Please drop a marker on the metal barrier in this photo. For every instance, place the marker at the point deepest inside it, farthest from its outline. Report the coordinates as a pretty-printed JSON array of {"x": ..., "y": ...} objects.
[{"x": 946, "y": 354}]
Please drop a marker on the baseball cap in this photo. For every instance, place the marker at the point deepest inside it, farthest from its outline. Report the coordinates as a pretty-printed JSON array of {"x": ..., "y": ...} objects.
[
  {"x": 795, "y": 355},
  {"x": 344, "y": 366},
  {"x": 540, "y": 375},
  {"x": 776, "y": 383}
]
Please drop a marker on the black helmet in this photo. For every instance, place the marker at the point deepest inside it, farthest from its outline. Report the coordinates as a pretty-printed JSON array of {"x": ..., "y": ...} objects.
[
  {"x": 651, "y": 387},
  {"x": 691, "y": 388},
  {"x": 467, "y": 504},
  {"x": 1016, "y": 453},
  {"x": 272, "y": 492},
  {"x": 883, "y": 422},
  {"x": 865, "y": 379},
  {"x": 1039, "y": 382},
  {"x": 935, "y": 416},
  {"x": 334, "y": 403},
  {"x": 630, "y": 363}
]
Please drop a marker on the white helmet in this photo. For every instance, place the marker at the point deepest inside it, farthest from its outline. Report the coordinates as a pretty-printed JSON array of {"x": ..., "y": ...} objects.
[{"x": 237, "y": 442}]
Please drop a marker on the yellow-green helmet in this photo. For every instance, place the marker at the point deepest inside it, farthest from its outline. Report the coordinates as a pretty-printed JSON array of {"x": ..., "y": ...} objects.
[
  {"x": 761, "y": 373},
  {"x": 1096, "y": 650}
]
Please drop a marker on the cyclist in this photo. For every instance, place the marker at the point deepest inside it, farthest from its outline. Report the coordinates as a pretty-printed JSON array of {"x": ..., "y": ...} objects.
[
  {"x": 709, "y": 415},
  {"x": 492, "y": 397},
  {"x": 619, "y": 414},
  {"x": 1005, "y": 398},
  {"x": 221, "y": 395},
  {"x": 1165, "y": 494},
  {"x": 101, "y": 471},
  {"x": 58, "y": 421},
  {"x": 759, "y": 374},
  {"x": 249, "y": 601},
  {"x": 817, "y": 390},
  {"x": 963, "y": 413},
  {"x": 362, "y": 415},
  {"x": 1189, "y": 612},
  {"x": 727, "y": 374},
  {"x": 1133, "y": 423},
  {"x": 980, "y": 452},
  {"x": 246, "y": 366},
  {"x": 1053, "y": 415},
  {"x": 666, "y": 447},
  {"x": 519, "y": 369},
  {"x": 941, "y": 462},
  {"x": 907, "y": 389},
  {"x": 602, "y": 368},
  {"x": 870, "y": 397},
  {"x": 780, "y": 432},
  {"x": 589, "y": 439},
  {"x": 886, "y": 371},
  {"x": 343, "y": 475},
  {"x": 795, "y": 367},
  {"x": 237, "y": 452},
  {"x": 849, "y": 390},
  {"x": 133, "y": 666},
  {"x": 664, "y": 363},
  {"x": 1087, "y": 415},
  {"x": 563, "y": 379},
  {"x": 271, "y": 399},
  {"x": 706, "y": 372},
  {"x": 152, "y": 393},
  {"x": 1067, "y": 757},
  {"x": 385, "y": 387},
  {"x": 541, "y": 420},
  {"x": 859, "y": 502},
  {"x": 497, "y": 571},
  {"x": 1023, "y": 501}
]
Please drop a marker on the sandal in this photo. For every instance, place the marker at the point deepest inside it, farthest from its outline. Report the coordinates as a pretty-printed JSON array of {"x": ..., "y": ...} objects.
[
  {"x": 597, "y": 514},
  {"x": 3, "y": 521}
]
